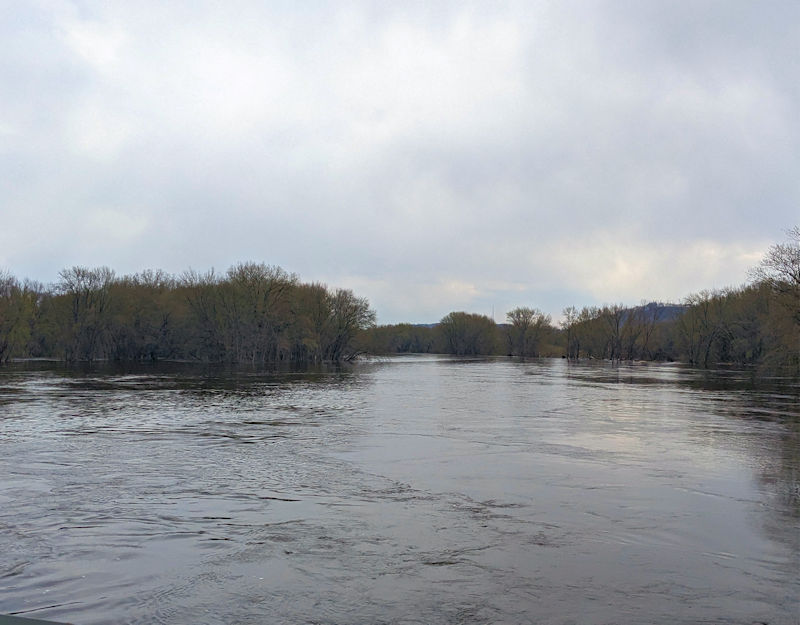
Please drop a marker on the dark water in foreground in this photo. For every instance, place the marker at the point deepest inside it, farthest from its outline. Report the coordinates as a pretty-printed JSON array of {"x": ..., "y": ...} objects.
[{"x": 418, "y": 490}]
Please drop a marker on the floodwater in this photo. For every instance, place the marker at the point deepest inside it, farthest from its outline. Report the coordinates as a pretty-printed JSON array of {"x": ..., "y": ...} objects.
[{"x": 412, "y": 490}]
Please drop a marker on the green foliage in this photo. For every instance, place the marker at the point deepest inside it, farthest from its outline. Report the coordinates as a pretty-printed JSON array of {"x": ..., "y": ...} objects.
[
  {"x": 779, "y": 272},
  {"x": 144, "y": 310},
  {"x": 467, "y": 334},
  {"x": 83, "y": 315},
  {"x": 258, "y": 313},
  {"x": 18, "y": 308},
  {"x": 398, "y": 339},
  {"x": 526, "y": 330},
  {"x": 254, "y": 313},
  {"x": 746, "y": 326}
]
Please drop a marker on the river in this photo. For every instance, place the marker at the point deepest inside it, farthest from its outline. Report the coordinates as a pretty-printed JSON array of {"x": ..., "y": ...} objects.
[{"x": 418, "y": 489}]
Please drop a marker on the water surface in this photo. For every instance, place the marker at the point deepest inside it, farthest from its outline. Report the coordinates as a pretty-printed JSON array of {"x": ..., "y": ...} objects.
[{"x": 412, "y": 490}]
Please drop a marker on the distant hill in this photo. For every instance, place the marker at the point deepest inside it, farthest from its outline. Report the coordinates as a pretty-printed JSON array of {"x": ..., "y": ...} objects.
[{"x": 666, "y": 312}]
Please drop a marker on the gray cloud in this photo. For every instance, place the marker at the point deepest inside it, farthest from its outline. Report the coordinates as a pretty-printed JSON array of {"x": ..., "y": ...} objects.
[{"x": 431, "y": 157}]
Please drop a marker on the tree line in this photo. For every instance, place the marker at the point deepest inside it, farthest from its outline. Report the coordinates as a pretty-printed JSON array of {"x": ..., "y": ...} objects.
[
  {"x": 256, "y": 313},
  {"x": 253, "y": 313},
  {"x": 755, "y": 324}
]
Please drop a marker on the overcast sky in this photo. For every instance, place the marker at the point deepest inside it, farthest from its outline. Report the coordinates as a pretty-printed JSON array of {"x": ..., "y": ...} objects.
[{"x": 432, "y": 156}]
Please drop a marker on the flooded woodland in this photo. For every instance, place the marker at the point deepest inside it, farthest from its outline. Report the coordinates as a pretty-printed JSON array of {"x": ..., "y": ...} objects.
[{"x": 407, "y": 489}]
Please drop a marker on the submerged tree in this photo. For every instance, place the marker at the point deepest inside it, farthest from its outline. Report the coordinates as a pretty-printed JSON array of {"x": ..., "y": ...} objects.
[
  {"x": 254, "y": 302},
  {"x": 701, "y": 325},
  {"x": 18, "y": 305},
  {"x": 467, "y": 334},
  {"x": 258, "y": 313},
  {"x": 779, "y": 271},
  {"x": 568, "y": 324},
  {"x": 253, "y": 313},
  {"x": 84, "y": 318},
  {"x": 348, "y": 315},
  {"x": 525, "y": 330},
  {"x": 145, "y": 313}
]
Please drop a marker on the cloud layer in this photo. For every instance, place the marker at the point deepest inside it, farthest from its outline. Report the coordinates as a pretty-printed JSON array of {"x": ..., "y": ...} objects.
[{"x": 430, "y": 156}]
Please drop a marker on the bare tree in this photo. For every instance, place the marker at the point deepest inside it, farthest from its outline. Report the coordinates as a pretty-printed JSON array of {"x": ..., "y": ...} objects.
[
  {"x": 349, "y": 315},
  {"x": 613, "y": 316},
  {"x": 521, "y": 320},
  {"x": 18, "y": 301},
  {"x": 780, "y": 269},
  {"x": 88, "y": 295},
  {"x": 651, "y": 313},
  {"x": 568, "y": 325},
  {"x": 467, "y": 333},
  {"x": 701, "y": 325},
  {"x": 526, "y": 330}
]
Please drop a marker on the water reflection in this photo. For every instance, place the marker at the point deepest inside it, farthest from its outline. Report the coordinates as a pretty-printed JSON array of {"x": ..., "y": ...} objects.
[{"x": 417, "y": 489}]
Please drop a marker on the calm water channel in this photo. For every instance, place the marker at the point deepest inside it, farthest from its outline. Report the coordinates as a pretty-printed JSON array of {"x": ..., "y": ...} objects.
[{"x": 413, "y": 490}]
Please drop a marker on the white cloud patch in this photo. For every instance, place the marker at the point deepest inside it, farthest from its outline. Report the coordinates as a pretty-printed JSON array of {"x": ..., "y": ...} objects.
[
  {"x": 114, "y": 226},
  {"x": 611, "y": 270},
  {"x": 97, "y": 43},
  {"x": 96, "y": 132},
  {"x": 432, "y": 157}
]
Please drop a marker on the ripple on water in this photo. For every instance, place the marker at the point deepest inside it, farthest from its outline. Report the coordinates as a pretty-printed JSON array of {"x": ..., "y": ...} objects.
[{"x": 424, "y": 490}]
